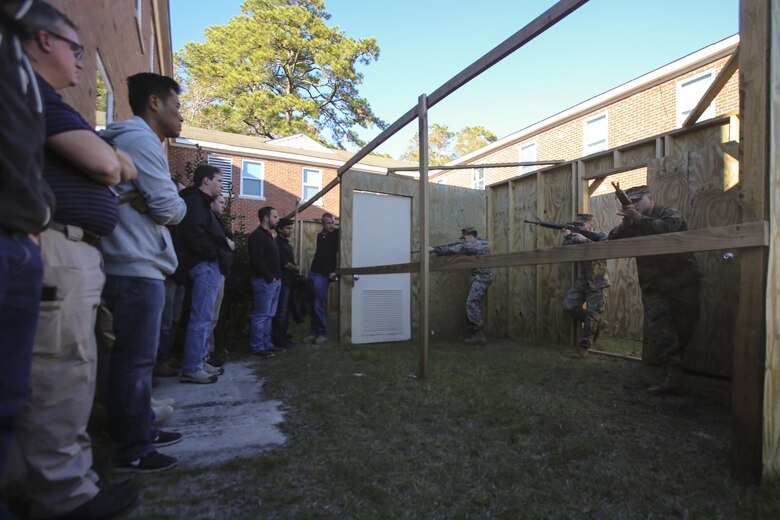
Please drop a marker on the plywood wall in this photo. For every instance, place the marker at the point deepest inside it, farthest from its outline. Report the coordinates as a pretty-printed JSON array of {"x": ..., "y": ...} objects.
[{"x": 451, "y": 208}]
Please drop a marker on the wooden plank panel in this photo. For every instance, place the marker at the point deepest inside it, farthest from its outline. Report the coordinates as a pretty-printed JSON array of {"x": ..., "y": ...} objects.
[
  {"x": 713, "y": 177},
  {"x": 639, "y": 154},
  {"x": 699, "y": 136},
  {"x": 497, "y": 299},
  {"x": 598, "y": 164},
  {"x": 522, "y": 300},
  {"x": 555, "y": 279},
  {"x": 623, "y": 317}
]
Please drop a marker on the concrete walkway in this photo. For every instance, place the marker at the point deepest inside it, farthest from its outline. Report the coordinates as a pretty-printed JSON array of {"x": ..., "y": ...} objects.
[{"x": 223, "y": 420}]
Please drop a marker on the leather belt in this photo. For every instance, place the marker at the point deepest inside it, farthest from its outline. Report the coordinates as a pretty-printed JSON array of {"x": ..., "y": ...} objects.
[{"x": 76, "y": 233}]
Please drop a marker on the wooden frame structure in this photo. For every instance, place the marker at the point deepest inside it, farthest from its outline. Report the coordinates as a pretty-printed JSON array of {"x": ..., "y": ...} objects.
[{"x": 756, "y": 388}]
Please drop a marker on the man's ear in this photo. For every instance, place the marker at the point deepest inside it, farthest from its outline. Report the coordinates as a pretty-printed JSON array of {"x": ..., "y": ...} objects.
[
  {"x": 44, "y": 41},
  {"x": 154, "y": 103}
]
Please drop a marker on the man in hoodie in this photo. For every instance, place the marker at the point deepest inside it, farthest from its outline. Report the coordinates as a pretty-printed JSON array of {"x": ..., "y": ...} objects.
[
  {"x": 201, "y": 236},
  {"x": 51, "y": 429},
  {"x": 139, "y": 255}
]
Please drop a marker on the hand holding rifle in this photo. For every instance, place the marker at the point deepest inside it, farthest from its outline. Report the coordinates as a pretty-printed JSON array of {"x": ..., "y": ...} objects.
[{"x": 628, "y": 210}]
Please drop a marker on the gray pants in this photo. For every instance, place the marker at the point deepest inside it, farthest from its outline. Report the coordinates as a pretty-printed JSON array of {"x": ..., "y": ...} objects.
[{"x": 479, "y": 286}]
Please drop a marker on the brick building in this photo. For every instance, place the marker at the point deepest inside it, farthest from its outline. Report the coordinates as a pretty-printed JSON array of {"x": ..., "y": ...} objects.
[
  {"x": 652, "y": 104},
  {"x": 120, "y": 38},
  {"x": 280, "y": 172}
]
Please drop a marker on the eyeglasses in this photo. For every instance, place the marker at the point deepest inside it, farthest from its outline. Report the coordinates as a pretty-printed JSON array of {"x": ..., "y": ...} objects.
[{"x": 77, "y": 48}]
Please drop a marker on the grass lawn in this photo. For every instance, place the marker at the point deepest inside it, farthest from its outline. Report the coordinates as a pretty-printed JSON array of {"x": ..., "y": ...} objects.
[{"x": 506, "y": 430}]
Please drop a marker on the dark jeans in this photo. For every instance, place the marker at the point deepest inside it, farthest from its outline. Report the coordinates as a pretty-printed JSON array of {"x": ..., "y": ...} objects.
[
  {"x": 280, "y": 326},
  {"x": 266, "y": 297},
  {"x": 174, "y": 300},
  {"x": 137, "y": 305},
  {"x": 21, "y": 272},
  {"x": 319, "y": 311},
  {"x": 206, "y": 279}
]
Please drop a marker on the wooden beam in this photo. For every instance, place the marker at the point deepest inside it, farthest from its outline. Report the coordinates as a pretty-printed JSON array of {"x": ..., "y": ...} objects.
[
  {"x": 714, "y": 89},
  {"x": 470, "y": 166},
  {"x": 541, "y": 23},
  {"x": 740, "y": 236},
  {"x": 613, "y": 171},
  {"x": 424, "y": 327},
  {"x": 750, "y": 339}
]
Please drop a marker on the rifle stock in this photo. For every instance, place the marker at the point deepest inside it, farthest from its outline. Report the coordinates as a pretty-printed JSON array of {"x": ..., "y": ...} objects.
[{"x": 620, "y": 194}]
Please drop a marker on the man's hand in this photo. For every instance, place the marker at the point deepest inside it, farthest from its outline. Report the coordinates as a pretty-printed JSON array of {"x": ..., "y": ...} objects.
[
  {"x": 128, "y": 171},
  {"x": 332, "y": 276},
  {"x": 566, "y": 232},
  {"x": 136, "y": 201},
  {"x": 431, "y": 250},
  {"x": 629, "y": 214},
  {"x": 231, "y": 244}
]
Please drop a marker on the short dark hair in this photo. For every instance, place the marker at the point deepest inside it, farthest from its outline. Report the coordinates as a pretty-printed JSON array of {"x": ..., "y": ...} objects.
[
  {"x": 265, "y": 211},
  {"x": 42, "y": 16},
  {"x": 203, "y": 171},
  {"x": 327, "y": 215},
  {"x": 144, "y": 84}
]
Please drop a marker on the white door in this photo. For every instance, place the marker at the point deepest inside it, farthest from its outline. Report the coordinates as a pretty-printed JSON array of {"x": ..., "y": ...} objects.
[{"x": 381, "y": 235}]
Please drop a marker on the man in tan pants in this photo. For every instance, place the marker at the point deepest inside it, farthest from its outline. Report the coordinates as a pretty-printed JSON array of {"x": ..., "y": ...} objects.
[{"x": 54, "y": 449}]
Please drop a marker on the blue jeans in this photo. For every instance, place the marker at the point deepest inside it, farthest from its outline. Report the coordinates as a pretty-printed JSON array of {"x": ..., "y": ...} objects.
[
  {"x": 266, "y": 300},
  {"x": 319, "y": 311},
  {"x": 21, "y": 272},
  {"x": 137, "y": 305},
  {"x": 174, "y": 299},
  {"x": 206, "y": 279},
  {"x": 281, "y": 322}
]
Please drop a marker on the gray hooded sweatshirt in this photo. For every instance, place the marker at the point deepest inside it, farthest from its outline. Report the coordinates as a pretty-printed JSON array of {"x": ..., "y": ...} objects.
[{"x": 140, "y": 245}]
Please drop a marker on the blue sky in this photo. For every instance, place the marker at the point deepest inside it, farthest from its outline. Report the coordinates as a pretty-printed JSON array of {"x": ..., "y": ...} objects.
[{"x": 424, "y": 43}]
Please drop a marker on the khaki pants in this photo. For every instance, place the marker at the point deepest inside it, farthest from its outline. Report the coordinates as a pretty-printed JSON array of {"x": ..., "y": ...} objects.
[{"x": 53, "y": 452}]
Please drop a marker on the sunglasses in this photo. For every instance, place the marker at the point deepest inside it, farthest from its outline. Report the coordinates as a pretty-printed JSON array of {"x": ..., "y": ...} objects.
[{"x": 77, "y": 48}]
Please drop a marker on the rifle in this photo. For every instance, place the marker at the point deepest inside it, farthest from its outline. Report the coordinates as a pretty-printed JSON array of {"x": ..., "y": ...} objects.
[
  {"x": 620, "y": 194},
  {"x": 595, "y": 237}
]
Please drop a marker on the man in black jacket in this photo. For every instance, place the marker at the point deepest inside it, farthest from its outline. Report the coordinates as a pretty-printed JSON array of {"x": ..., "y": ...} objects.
[
  {"x": 281, "y": 322},
  {"x": 266, "y": 280},
  {"x": 201, "y": 236}
]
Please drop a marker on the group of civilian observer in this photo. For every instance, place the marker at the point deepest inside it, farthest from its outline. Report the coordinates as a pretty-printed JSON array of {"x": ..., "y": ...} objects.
[
  {"x": 93, "y": 225},
  {"x": 273, "y": 274}
]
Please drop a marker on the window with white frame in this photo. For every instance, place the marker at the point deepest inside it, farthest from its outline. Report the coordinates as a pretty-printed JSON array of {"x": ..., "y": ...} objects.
[
  {"x": 225, "y": 165},
  {"x": 311, "y": 184},
  {"x": 104, "y": 101},
  {"x": 689, "y": 93},
  {"x": 478, "y": 178},
  {"x": 527, "y": 154},
  {"x": 595, "y": 131},
  {"x": 252, "y": 179}
]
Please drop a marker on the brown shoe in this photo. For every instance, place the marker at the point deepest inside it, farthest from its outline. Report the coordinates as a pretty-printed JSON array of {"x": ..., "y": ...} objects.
[
  {"x": 673, "y": 383},
  {"x": 165, "y": 370},
  {"x": 478, "y": 338},
  {"x": 582, "y": 353}
]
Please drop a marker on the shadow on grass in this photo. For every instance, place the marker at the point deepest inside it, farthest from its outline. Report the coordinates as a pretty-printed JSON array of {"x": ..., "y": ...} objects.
[{"x": 507, "y": 430}]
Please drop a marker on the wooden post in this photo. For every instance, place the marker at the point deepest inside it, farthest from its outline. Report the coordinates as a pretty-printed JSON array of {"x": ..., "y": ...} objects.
[
  {"x": 422, "y": 118},
  {"x": 750, "y": 341},
  {"x": 772, "y": 385}
]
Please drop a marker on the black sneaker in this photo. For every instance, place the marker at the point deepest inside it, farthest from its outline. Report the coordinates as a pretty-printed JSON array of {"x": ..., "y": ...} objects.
[
  {"x": 166, "y": 438},
  {"x": 149, "y": 463},
  {"x": 110, "y": 501}
]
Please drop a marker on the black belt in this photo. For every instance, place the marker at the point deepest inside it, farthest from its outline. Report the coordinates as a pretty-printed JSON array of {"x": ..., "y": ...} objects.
[{"x": 76, "y": 233}]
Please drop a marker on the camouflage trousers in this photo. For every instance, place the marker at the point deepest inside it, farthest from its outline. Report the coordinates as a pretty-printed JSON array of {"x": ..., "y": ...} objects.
[
  {"x": 670, "y": 318},
  {"x": 595, "y": 302},
  {"x": 479, "y": 286}
]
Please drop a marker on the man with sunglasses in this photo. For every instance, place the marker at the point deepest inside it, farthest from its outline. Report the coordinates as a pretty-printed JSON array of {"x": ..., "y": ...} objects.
[{"x": 51, "y": 429}]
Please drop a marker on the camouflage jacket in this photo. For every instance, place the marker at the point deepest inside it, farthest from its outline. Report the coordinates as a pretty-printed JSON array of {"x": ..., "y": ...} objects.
[
  {"x": 479, "y": 247},
  {"x": 594, "y": 272},
  {"x": 660, "y": 272}
]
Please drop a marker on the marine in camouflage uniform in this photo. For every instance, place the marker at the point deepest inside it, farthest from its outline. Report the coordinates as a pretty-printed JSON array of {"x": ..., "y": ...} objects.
[
  {"x": 670, "y": 284},
  {"x": 481, "y": 278},
  {"x": 588, "y": 288}
]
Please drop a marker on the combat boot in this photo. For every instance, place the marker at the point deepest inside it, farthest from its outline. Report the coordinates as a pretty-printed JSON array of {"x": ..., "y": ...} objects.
[
  {"x": 477, "y": 338},
  {"x": 582, "y": 353},
  {"x": 673, "y": 383}
]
